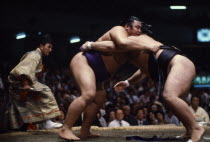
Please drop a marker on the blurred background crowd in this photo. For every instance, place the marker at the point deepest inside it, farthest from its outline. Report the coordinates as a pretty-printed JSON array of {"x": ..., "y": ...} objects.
[
  {"x": 137, "y": 105},
  {"x": 187, "y": 28}
]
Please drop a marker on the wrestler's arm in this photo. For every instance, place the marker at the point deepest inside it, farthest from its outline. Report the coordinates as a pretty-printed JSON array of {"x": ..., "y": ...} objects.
[
  {"x": 136, "y": 77},
  {"x": 119, "y": 36},
  {"x": 121, "y": 43},
  {"x": 106, "y": 46}
]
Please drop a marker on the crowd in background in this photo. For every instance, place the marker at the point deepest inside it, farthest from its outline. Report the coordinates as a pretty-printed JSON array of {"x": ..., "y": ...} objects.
[{"x": 137, "y": 105}]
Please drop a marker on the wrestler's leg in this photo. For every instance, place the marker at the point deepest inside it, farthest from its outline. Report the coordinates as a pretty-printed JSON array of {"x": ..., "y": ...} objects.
[
  {"x": 90, "y": 113},
  {"x": 177, "y": 84},
  {"x": 85, "y": 78}
]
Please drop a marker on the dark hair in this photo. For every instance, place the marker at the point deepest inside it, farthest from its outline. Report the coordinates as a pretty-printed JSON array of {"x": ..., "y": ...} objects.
[
  {"x": 46, "y": 38},
  {"x": 146, "y": 28},
  {"x": 117, "y": 110},
  {"x": 129, "y": 20},
  {"x": 139, "y": 110},
  {"x": 195, "y": 96},
  {"x": 161, "y": 112}
]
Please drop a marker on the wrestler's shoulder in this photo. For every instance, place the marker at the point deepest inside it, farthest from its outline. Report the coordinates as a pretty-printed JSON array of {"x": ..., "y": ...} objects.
[{"x": 118, "y": 28}]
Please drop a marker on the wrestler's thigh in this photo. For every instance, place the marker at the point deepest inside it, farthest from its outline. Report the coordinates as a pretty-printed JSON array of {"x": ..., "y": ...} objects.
[
  {"x": 179, "y": 80},
  {"x": 83, "y": 73},
  {"x": 100, "y": 95}
]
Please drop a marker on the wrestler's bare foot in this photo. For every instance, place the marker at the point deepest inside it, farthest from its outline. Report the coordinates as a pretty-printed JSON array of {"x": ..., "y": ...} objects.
[
  {"x": 197, "y": 133},
  {"x": 67, "y": 134},
  {"x": 88, "y": 135}
]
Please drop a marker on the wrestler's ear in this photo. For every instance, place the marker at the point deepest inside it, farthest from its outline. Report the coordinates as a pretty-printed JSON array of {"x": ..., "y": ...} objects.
[{"x": 127, "y": 27}]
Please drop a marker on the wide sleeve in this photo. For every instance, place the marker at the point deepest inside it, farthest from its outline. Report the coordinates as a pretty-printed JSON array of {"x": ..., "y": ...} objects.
[{"x": 27, "y": 66}]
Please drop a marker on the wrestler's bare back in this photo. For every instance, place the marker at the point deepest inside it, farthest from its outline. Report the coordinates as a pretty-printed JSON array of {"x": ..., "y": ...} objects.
[{"x": 140, "y": 59}]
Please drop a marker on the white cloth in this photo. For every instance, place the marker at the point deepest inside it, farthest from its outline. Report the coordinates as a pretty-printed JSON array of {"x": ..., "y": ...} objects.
[
  {"x": 103, "y": 122},
  {"x": 141, "y": 122},
  {"x": 49, "y": 124},
  {"x": 200, "y": 114},
  {"x": 103, "y": 112},
  {"x": 116, "y": 123},
  {"x": 29, "y": 66},
  {"x": 172, "y": 120}
]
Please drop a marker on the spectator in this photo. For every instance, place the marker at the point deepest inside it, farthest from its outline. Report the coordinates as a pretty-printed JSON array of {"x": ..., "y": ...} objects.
[
  {"x": 128, "y": 117},
  {"x": 140, "y": 118},
  {"x": 160, "y": 118},
  {"x": 118, "y": 121},
  {"x": 199, "y": 113},
  {"x": 171, "y": 118},
  {"x": 152, "y": 119},
  {"x": 101, "y": 120},
  {"x": 111, "y": 117},
  {"x": 145, "y": 108},
  {"x": 145, "y": 97}
]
